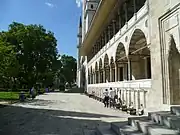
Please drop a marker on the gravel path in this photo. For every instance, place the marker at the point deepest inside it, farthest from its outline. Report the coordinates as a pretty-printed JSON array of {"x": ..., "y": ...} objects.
[{"x": 56, "y": 114}]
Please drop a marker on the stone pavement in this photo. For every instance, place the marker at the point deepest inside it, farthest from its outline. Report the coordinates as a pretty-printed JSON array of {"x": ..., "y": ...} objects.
[{"x": 56, "y": 114}]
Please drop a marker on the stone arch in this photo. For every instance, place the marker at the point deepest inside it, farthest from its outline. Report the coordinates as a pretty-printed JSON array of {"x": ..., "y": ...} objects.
[
  {"x": 121, "y": 63},
  {"x": 136, "y": 31},
  {"x": 106, "y": 68},
  {"x": 120, "y": 52},
  {"x": 112, "y": 66},
  {"x": 100, "y": 64},
  {"x": 174, "y": 76},
  {"x": 96, "y": 73},
  {"x": 91, "y": 75},
  {"x": 112, "y": 62},
  {"x": 101, "y": 71},
  {"x": 91, "y": 70},
  {"x": 96, "y": 66},
  {"x": 139, "y": 59},
  {"x": 106, "y": 60}
]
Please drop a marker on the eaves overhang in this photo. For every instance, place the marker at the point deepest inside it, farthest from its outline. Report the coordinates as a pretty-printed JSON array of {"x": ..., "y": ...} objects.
[{"x": 97, "y": 25}]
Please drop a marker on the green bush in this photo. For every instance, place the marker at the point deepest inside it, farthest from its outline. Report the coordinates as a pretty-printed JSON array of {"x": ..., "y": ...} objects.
[{"x": 42, "y": 91}]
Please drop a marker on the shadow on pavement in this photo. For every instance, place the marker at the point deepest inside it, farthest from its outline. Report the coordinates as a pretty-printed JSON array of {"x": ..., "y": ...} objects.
[
  {"x": 27, "y": 121},
  {"x": 2, "y": 106}
]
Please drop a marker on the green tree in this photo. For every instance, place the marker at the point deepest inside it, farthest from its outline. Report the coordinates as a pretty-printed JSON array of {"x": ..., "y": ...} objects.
[
  {"x": 35, "y": 50},
  {"x": 9, "y": 66},
  {"x": 69, "y": 67}
]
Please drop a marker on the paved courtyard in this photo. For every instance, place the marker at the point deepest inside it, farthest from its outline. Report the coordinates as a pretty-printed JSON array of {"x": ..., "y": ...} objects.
[{"x": 56, "y": 114}]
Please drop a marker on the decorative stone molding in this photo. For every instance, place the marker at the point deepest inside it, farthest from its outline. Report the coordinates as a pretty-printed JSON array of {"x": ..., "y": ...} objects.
[{"x": 169, "y": 28}]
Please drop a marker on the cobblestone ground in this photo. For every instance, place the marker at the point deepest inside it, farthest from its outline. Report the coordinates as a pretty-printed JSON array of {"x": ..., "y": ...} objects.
[{"x": 56, "y": 114}]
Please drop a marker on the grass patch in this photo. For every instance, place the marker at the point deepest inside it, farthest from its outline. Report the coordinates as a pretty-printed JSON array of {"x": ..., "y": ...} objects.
[{"x": 5, "y": 96}]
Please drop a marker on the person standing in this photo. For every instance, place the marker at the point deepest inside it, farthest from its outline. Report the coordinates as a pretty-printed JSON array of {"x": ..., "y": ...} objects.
[
  {"x": 106, "y": 98},
  {"x": 32, "y": 93},
  {"x": 112, "y": 97}
]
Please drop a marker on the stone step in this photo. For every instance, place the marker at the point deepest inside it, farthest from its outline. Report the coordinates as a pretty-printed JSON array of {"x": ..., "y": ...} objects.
[
  {"x": 154, "y": 116},
  {"x": 132, "y": 120},
  {"x": 89, "y": 132},
  {"x": 104, "y": 130},
  {"x": 161, "y": 131},
  {"x": 115, "y": 126},
  {"x": 122, "y": 128},
  {"x": 175, "y": 110},
  {"x": 166, "y": 118},
  {"x": 151, "y": 128}
]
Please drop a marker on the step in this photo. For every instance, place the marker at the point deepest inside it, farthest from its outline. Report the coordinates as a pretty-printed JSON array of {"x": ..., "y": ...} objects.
[
  {"x": 162, "y": 131},
  {"x": 115, "y": 126},
  {"x": 122, "y": 128},
  {"x": 175, "y": 110},
  {"x": 104, "y": 130},
  {"x": 166, "y": 118},
  {"x": 131, "y": 120},
  {"x": 89, "y": 132},
  {"x": 151, "y": 128},
  {"x": 155, "y": 117}
]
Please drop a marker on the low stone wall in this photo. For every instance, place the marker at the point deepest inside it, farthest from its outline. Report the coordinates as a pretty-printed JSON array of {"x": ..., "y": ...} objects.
[{"x": 129, "y": 91}]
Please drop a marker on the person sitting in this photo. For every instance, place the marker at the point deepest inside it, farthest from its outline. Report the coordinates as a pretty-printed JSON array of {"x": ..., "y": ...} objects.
[
  {"x": 124, "y": 106},
  {"x": 94, "y": 95},
  {"x": 141, "y": 110},
  {"x": 91, "y": 95},
  {"x": 118, "y": 102},
  {"x": 131, "y": 109}
]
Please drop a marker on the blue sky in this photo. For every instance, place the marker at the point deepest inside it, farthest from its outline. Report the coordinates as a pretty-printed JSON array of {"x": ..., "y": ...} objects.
[{"x": 58, "y": 16}]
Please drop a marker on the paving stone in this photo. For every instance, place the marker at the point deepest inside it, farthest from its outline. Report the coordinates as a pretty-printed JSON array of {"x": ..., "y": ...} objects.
[
  {"x": 105, "y": 130},
  {"x": 56, "y": 113}
]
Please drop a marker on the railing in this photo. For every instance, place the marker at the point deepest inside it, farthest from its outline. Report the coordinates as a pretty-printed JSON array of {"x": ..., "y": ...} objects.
[
  {"x": 129, "y": 91},
  {"x": 135, "y": 84},
  {"x": 134, "y": 20}
]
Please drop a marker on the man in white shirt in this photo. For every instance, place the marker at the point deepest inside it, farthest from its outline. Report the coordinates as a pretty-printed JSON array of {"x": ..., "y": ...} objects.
[
  {"x": 112, "y": 93},
  {"x": 112, "y": 99}
]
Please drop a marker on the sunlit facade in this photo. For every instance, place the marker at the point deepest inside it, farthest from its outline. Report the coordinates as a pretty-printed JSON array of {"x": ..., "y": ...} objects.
[{"x": 132, "y": 46}]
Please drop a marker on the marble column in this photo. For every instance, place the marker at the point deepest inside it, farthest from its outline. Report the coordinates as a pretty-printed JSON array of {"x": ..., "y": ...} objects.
[
  {"x": 92, "y": 78},
  {"x": 89, "y": 78},
  {"x": 95, "y": 77},
  {"x": 104, "y": 76},
  {"x": 144, "y": 95},
  {"x": 129, "y": 69},
  {"x": 99, "y": 76},
  {"x": 138, "y": 99},
  {"x": 110, "y": 73}
]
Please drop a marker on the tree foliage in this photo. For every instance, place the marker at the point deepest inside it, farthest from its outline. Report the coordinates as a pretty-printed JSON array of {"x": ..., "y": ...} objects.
[
  {"x": 69, "y": 65},
  {"x": 28, "y": 54}
]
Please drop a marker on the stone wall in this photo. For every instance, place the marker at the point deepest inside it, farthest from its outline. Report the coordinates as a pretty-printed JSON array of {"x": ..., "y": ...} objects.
[{"x": 159, "y": 94}]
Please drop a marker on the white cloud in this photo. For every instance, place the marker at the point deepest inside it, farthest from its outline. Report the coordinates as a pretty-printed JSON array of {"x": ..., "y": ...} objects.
[
  {"x": 79, "y": 3},
  {"x": 50, "y": 4}
]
